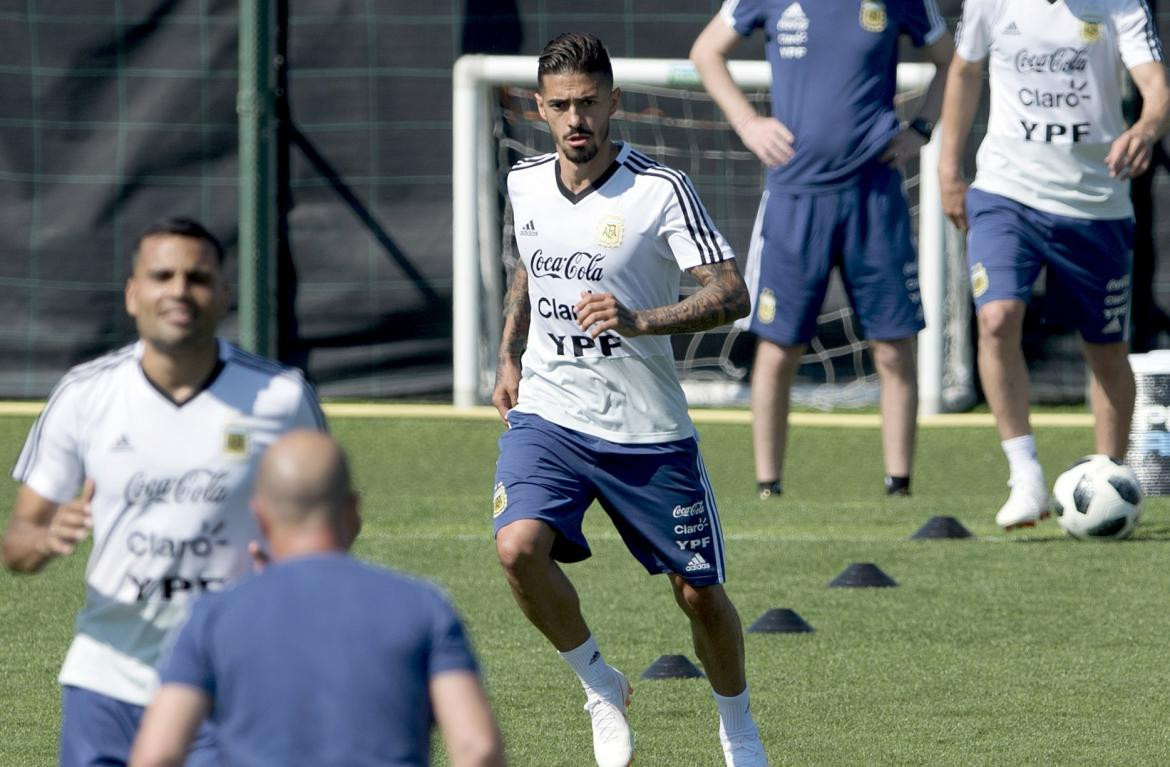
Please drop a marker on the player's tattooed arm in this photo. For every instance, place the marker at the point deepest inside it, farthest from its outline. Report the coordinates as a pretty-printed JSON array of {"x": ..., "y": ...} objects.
[
  {"x": 517, "y": 315},
  {"x": 722, "y": 297}
]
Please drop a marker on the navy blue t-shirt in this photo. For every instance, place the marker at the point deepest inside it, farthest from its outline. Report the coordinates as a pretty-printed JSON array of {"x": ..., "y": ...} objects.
[
  {"x": 834, "y": 69},
  {"x": 321, "y": 660}
]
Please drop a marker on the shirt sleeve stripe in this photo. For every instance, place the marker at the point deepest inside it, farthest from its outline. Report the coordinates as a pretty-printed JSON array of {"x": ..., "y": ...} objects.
[
  {"x": 642, "y": 165},
  {"x": 532, "y": 162},
  {"x": 701, "y": 244},
  {"x": 938, "y": 25},
  {"x": 707, "y": 222},
  {"x": 263, "y": 364},
  {"x": 1151, "y": 32},
  {"x": 728, "y": 12},
  {"x": 706, "y": 240},
  {"x": 24, "y": 461}
]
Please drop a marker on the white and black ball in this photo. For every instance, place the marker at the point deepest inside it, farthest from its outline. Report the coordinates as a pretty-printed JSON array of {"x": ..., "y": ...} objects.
[{"x": 1098, "y": 498}]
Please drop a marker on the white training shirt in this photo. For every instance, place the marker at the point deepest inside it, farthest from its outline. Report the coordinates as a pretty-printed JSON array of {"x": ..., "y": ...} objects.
[
  {"x": 1055, "y": 71},
  {"x": 629, "y": 234},
  {"x": 170, "y": 512}
]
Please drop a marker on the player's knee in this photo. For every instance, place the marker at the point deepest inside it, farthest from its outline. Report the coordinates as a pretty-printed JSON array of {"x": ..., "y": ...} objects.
[
  {"x": 518, "y": 551},
  {"x": 894, "y": 358},
  {"x": 773, "y": 360},
  {"x": 699, "y": 602},
  {"x": 1109, "y": 362},
  {"x": 1001, "y": 322}
]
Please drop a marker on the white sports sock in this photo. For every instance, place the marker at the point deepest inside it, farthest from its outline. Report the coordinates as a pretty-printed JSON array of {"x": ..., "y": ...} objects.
[
  {"x": 735, "y": 712},
  {"x": 1021, "y": 455},
  {"x": 587, "y": 662}
]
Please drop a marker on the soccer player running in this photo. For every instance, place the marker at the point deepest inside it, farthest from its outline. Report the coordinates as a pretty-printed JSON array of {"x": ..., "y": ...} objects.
[
  {"x": 1051, "y": 189},
  {"x": 162, "y": 438},
  {"x": 594, "y": 406},
  {"x": 833, "y": 197},
  {"x": 376, "y": 658}
]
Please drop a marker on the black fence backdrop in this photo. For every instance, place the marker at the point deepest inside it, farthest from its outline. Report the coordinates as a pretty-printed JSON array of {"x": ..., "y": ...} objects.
[{"x": 116, "y": 112}]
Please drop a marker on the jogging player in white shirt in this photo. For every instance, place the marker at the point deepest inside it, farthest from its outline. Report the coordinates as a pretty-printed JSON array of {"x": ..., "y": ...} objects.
[
  {"x": 1051, "y": 189},
  {"x": 594, "y": 407},
  {"x": 163, "y": 438}
]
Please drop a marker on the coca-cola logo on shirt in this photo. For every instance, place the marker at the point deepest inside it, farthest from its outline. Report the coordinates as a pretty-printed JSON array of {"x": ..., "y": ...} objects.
[
  {"x": 579, "y": 266},
  {"x": 195, "y": 486},
  {"x": 1061, "y": 61}
]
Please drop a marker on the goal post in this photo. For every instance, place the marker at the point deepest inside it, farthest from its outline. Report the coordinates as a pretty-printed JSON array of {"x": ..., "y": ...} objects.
[{"x": 478, "y": 231}]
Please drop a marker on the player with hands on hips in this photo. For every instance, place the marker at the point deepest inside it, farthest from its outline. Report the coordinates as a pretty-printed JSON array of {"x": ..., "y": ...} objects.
[{"x": 833, "y": 198}]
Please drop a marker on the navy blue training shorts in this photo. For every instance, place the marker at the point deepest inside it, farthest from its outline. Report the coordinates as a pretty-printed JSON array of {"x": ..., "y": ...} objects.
[
  {"x": 1089, "y": 263},
  {"x": 657, "y": 495},
  {"x": 864, "y": 229},
  {"x": 99, "y": 730}
]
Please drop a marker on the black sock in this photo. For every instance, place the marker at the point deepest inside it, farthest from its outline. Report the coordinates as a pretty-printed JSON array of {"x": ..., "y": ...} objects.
[
  {"x": 769, "y": 489},
  {"x": 897, "y": 485}
]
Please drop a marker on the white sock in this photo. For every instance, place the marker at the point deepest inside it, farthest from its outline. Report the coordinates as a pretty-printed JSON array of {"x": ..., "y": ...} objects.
[
  {"x": 735, "y": 713},
  {"x": 1022, "y": 460},
  {"x": 588, "y": 664}
]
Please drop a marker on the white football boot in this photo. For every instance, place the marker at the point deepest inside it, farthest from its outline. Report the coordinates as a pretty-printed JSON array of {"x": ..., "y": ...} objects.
[
  {"x": 743, "y": 749},
  {"x": 613, "y": 742},
  {"x": 1026, "y": 505}
]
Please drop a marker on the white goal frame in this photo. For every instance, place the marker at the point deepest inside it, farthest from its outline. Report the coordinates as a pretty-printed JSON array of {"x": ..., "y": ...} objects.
[{"x": 476, "y": 232}]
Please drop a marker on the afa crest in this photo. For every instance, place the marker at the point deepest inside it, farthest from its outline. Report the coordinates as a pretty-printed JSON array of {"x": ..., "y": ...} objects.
[
  {"x": 766, "y": 306},
  {"x": 610, "y": 231},
  {"x": 1091, "y": 31},
  {"x": 499, "y": 500},
  {"x": 873, "y": 16},
  {"x": 979, "y": 281},
  {"x": 235, "y": 442}
]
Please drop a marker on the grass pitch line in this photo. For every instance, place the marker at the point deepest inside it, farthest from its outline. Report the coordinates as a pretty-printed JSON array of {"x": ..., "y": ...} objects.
[{"x": 699, "y": 415}]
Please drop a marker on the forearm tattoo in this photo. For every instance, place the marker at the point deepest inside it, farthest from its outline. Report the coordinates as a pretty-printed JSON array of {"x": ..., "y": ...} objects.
[
  {"x": 517, "y": 314},
  {"x": 721, "y": 298}
]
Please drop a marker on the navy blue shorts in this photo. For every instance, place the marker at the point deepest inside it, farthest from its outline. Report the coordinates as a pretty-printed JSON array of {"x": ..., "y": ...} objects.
[
  {"x": 1089, "y": 263},
  {"x": 658, "y": 496},
  {"x": 864, "y": 230},
  {"x": 99, "y": 730}
]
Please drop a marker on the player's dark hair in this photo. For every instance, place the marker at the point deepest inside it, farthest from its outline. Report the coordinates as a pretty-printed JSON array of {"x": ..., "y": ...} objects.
[
  {"x": 575, "y": 53},
  {"x": 180, "y": 226}
]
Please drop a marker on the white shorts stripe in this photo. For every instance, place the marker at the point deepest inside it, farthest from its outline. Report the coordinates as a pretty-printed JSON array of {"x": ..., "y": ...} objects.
[
  {"x": 713, "y": 514},
  {"x": 751, "y": 270}
]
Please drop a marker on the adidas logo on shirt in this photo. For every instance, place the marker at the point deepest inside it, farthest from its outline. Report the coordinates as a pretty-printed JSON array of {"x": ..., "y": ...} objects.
[
  {"x": 529, "y": 229},
  {"x": 122, "y": 445},
  {"x": 1011, "y": 29},
  {"x": 791, "y": 16},
  {"x": 793, "y": 19},
  {"x": 698, "y": 563},
  {"x": 792, "y": 33}
]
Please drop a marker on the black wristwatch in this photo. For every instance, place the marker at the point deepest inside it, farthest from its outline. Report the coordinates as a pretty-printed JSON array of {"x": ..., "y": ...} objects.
[{"x": 922, "y": 127}]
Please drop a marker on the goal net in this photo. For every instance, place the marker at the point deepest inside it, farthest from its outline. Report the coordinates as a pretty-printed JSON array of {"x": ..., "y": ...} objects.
[{"x": 665, "y": 114}]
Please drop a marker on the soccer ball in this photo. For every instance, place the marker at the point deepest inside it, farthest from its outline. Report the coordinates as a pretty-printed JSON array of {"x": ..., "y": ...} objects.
[{"x": 1098, "y": 498}]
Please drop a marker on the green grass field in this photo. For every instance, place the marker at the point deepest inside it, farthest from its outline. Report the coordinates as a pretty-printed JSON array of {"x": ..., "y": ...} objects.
[{"x": 1000, "y": 650}]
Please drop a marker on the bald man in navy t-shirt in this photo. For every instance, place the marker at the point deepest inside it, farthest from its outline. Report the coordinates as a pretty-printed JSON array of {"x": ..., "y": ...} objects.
[
  {"x": 834, "y": 198},
  {"x": 320, "y": 659}
]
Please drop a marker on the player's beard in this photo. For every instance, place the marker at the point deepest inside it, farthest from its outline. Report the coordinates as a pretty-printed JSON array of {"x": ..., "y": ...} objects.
[
  {"x": 589, "y": 151},
  {"x": 582, "y": 155}
]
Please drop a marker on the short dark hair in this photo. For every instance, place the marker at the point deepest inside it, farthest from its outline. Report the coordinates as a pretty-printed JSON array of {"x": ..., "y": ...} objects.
[
  {"x": 572, "y": 53},
  {"x": 180, "y": 226}
]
